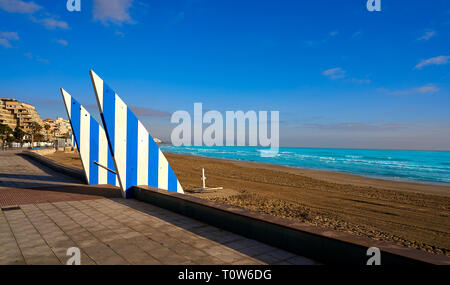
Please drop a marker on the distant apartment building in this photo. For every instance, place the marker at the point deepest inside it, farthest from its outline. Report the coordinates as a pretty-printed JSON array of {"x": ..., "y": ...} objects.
[
  {"x": 63, "y": 127},
  {"x": 18, "y": 114},
  {"x": 50, "y": 130},
  {"x": 57, "y": 128}
]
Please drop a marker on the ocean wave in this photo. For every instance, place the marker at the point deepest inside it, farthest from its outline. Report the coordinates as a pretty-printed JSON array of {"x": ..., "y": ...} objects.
[{"x": 410, "y": 165}]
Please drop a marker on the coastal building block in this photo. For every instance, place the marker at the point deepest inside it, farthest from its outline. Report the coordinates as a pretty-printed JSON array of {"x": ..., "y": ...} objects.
[{"x": 18, "y": 114}]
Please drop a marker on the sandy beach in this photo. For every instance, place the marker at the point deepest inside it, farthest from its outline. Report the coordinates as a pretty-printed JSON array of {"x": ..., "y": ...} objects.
[{"x": 411, "y": 214}]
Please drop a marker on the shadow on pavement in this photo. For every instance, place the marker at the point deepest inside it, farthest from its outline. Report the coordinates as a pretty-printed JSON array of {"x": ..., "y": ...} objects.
[
  {"x": 255, "y": 249},
  {"x": 46, "y": 184}
]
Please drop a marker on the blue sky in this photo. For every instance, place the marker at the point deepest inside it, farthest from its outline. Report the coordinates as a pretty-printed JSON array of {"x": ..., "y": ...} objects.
[{"x": 339, "y": 75}]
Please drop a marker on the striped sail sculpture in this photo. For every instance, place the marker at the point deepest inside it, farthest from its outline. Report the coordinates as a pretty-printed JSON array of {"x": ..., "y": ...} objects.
[
  {"x": 137, "y": 157},
  {"x": 92, "y": 144}
]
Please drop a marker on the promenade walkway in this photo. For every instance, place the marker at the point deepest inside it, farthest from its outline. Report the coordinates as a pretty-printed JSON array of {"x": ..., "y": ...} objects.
[{"x": 45, "y": 213}]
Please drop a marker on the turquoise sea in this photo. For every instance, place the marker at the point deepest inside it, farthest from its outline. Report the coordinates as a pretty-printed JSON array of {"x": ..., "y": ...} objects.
[{"x": 405, "y": 165}]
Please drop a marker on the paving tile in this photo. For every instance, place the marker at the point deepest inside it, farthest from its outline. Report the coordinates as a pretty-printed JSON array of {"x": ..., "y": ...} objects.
[
  {"x": 42, "y": 260},
  {"x": 101, "y": 254},
  {"x": 146, "y": 244},
  {"x": 111, "y": 260},
  {"x": 223, "y": 253},
  {"x": 14, "y": 260},
  {"x": 176, "y": 260},
  {"x": 161, "y": 253},
  {"x": 208, "y": 260},
  {"x": 130, "y": 252}
]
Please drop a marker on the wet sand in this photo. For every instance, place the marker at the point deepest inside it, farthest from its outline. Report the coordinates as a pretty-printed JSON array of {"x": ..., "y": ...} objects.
[{"x": 411, "y": 214}]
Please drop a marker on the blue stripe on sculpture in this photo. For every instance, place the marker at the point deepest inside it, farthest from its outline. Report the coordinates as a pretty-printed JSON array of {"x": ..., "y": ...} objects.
[
  {"x": 153, "y": 162},
  {"x": 93, "y": 152},
  {"x": 109, "y": 113},
  {"x": 132, "y": 147},
  {"x": 75, "y": 119},
  {"x": 172, "y": 183}
]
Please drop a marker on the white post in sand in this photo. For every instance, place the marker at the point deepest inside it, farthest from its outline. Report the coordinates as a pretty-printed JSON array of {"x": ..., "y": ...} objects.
[
  {"x": 203, "y": 178},
  {"x": 204, "y": 188}
]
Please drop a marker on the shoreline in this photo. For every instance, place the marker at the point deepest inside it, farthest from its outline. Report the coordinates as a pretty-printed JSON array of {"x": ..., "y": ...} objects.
[
  {"x": 376, "y": 177},
  {"x": 340, "y": 177},
  {"x": 350, "y": 148}
]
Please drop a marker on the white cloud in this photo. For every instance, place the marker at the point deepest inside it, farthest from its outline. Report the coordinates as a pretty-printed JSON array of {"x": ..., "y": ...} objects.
[
  {"x": 438, "y": 60},
  {"x": 43, "y": 60},
  {"x": 7, "y": 37},
  {"x": 335, "y": 73},
  {"x": 52, "y": 24},
  {"x": 5, "y": 43},
  {"x": 357, "y": 34},
  {"x": 331, "y": 35},
  {"x": 113, "y": 11},
  {"x": 179, "y": 17},
  {"x": 61, "y": 42},
  {"x": 428, "y": 35},
  {"x": 120, "y": 34},
  {"x": 37, "y": 58},
  {"x": 334, "y": 33},
  {"x": 17, "y": 6},
  {"x": 360, "y": 81},
  {"x": 426, "y": 89},
  {"x": 339, "y": 73},
  {"x": 357, "y": 126}
]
